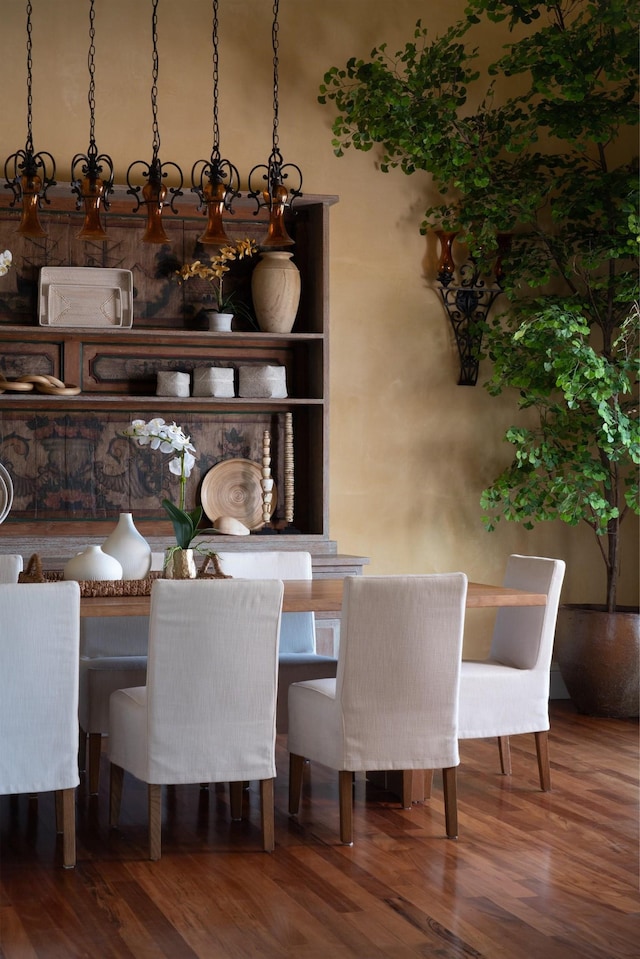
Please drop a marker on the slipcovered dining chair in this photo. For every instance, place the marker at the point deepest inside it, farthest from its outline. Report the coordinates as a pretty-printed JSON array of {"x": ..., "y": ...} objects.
[
  {"x": 39, "y": 642},
  {"x": 394, "y": 701},
  {"x": 298, "y": 657},
  {"x": 10, "y": 567},
  {"x": 508, "y": 693},
  {"x": 208, "y": 711},
  {"x": 113, "y": 654}
]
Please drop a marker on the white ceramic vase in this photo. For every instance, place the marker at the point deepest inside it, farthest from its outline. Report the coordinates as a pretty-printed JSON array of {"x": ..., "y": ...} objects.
[
  {"x": 275, "y": 289},
  {"x": 131, "y": 549},
  {"x": 93, "y": 563}
]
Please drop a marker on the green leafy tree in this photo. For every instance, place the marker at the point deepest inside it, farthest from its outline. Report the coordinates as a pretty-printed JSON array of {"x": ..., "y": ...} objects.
[{"x": 543, "y": 166}]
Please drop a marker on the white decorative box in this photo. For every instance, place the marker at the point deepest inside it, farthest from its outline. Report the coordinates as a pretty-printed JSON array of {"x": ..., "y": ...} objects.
[
  {"x": 213, "y": 381},
  {"x": 85, "y": 296},
  {"x": 264, "y": 381},
  {"x": 172, "y": 384}
]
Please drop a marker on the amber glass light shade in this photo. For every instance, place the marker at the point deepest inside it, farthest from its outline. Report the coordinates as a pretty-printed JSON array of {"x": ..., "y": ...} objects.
[
  {"x": 446, "y": 264},
  {"x": 277, "y": 233},
  {"x": 154, "y": 194},
  {"x": 504, "y": 244},
  {"x": 30, "y": 224},
  {"x": 214, "y": 198},
  {"x": 92, "y": 192}
]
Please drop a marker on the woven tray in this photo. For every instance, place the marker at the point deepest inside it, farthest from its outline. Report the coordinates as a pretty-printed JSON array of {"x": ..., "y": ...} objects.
[
  {"x": 34, "y": 573},
  {"x": 107, "y": 587}
]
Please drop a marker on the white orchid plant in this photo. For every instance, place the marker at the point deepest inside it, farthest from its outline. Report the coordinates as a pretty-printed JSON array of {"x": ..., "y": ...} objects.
[
  {"x": 170, "y": 438},
  {"x": 5, "y": 262}
]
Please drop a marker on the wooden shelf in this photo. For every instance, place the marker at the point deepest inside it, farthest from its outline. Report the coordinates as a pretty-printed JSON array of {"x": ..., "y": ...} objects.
[{"x": 72, "y": 469}]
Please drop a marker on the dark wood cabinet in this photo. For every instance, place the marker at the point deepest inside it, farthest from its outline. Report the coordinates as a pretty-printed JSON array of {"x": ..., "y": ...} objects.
[{"x": 72, "y": 470}]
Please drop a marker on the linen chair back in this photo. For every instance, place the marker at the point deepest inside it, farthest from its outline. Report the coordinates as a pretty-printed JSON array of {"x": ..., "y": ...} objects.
[
  {"x": 398, "y": 673},
  {"x": 10, "y": 567},
  {"x": 523, "y": 635},
  {"x": 39, "y": 648},
  {"x": 297, "y": 630},
  {"x": 211, "y": 683}
]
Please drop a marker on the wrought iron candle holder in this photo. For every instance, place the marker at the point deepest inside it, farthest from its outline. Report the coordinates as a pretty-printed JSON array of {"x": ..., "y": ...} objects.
[{"x": 467, "y": 299}]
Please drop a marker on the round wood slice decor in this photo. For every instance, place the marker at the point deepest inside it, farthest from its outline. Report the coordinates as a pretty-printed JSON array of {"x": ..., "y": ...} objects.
[{"x": 233, "y": 488}]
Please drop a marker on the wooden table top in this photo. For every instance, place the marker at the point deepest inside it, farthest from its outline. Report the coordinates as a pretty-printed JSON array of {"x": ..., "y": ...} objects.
[{"x": 317, "y": 596}]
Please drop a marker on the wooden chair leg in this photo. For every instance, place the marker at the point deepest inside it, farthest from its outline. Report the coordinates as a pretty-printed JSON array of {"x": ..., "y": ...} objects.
[
  {"x": 296, "y": 768},
  {"x": 407, "y": 788},
  {"x": 346, "y": 806},
  {"x": 267, "y": 814},
  {"x": 116, "y": 776},
  {"x": 544, "y": 767},
  {"x": 59, "y": 811},
  {"x": 68, "y": 802},
  {"x": 505, "y": 755},
  {"x": 450, "y": 789},
  {"x": 428, "y": 783},
  {"x": 95, "y": 751},
  {"x": 235, "y": 800},
  {"x": 82, "y": 750},
  {"x": 154, "y": 800}
]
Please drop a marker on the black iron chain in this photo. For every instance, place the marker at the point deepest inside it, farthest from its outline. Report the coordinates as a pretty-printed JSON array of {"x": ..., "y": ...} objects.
[
  {"x": 275, "y": 43},
  {"x": 154, "y": 85},
  {"x": 92, "y": 80},
  {"x": 29, "y": 146},
  {"x": 214, "y": 40}
]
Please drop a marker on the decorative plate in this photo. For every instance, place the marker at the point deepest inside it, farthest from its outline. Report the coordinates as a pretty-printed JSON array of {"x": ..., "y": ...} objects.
[
  {"x": 6, "y": 493},
  {"x": 233, "y": 488}
]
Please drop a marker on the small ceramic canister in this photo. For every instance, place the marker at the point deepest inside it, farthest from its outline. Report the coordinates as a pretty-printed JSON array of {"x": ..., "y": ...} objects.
[
  {"x": 213, "y": 381},
  {"x": 262, "y": 381},
  {"x": 172, "y": 384}
]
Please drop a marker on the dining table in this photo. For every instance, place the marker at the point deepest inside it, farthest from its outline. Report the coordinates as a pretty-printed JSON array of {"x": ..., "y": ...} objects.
[{"x": 314, "y": 596}]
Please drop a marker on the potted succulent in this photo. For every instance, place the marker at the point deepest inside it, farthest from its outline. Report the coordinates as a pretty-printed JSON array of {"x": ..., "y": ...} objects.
[{"x": 552, "y": 167}]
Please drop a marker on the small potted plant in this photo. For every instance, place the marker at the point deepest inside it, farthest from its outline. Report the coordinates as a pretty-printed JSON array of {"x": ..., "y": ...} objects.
[{"x": 224, "y": 305}]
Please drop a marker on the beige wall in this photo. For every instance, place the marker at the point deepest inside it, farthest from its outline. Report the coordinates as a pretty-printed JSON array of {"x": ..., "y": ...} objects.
[{"x": 410, "y": 450}]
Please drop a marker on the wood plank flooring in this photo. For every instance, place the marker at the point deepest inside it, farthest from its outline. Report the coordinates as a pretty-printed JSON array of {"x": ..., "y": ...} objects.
[{"x": 532, "y": 874}]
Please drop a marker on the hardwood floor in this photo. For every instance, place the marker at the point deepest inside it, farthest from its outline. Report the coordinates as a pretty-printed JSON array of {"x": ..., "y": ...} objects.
[{"x": 532, "y": 874}]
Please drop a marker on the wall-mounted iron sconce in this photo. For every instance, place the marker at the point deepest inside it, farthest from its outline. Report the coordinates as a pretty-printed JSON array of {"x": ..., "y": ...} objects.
[{"x": 467, "y": 300}]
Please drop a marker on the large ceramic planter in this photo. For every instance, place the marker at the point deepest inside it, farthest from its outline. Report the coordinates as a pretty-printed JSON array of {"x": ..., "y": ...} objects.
[
  {"x": 598, "y": 657},
  {"x": 275, "y": 289}
]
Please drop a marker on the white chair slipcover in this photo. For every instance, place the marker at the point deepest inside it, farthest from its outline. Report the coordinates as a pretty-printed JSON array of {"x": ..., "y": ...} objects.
[
  {"x": 10, "y": 567},
  {"x": 298, "y": 657},
  {"x": 113, "y": 654},
  {"x": 207, "y": 713},
  {"x": 508, "y": 693},
  {"x": 394, "y": 702},
  {"x": 39, "y": 642}
]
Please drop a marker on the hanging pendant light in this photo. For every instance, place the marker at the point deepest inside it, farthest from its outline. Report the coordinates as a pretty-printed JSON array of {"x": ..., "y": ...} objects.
[
  {"x": 215, "y": 180},
  {"x": 275, "y": 194},
  {"x": 154, "y": 192},
  {"x": 87, "y": 182},
  {"x": 29, "y": 175}
]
